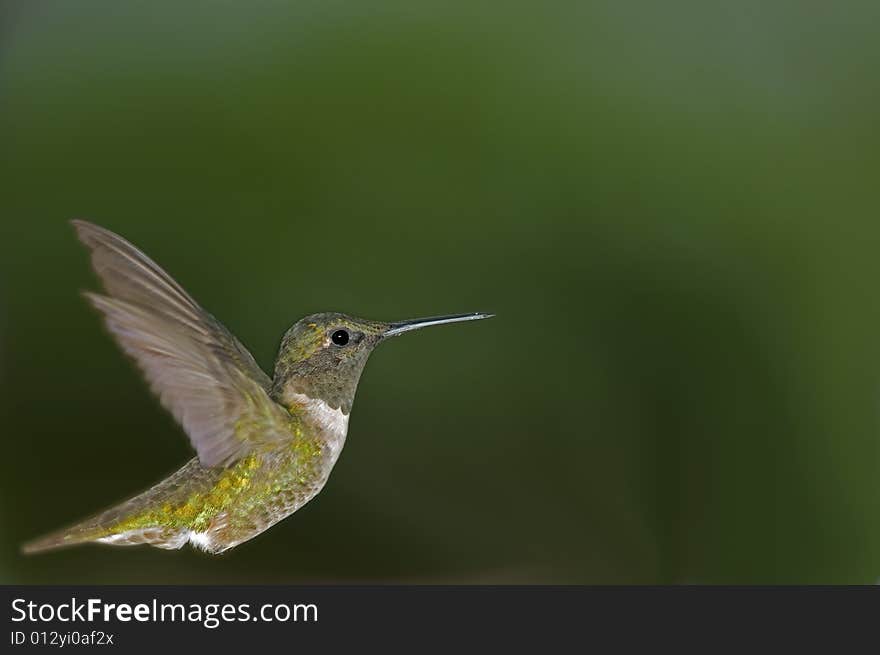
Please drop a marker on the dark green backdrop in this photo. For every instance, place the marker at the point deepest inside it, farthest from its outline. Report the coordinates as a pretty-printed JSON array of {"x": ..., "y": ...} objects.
[{"x": 672, "y": 207}]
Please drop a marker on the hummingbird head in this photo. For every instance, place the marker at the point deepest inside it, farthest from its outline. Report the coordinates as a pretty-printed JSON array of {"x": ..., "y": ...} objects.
[{"x": 323, "y": 355}]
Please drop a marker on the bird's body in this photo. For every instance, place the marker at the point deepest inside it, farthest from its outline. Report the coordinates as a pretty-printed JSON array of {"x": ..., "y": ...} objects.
[
  {"x": 265, "y": 447},
  {"x": 217, "y": 508}
]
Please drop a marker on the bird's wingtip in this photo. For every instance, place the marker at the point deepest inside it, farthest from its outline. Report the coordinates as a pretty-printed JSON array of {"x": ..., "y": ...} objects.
[{"x": 81, "y": 223}]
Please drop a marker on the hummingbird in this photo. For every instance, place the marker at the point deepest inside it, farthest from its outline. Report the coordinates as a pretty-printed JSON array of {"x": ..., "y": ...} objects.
[{"x": 264, "y": 446}]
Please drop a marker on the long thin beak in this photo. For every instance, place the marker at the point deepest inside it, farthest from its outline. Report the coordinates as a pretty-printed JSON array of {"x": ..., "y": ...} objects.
[{"x": 419, "y": 323}]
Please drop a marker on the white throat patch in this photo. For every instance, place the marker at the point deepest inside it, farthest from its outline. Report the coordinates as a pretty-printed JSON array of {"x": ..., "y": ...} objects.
[{"x": 333, "y": 421}]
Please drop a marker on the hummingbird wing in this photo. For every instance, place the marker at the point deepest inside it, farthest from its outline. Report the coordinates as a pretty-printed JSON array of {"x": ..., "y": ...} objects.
[{"x": 202, "y": 374}]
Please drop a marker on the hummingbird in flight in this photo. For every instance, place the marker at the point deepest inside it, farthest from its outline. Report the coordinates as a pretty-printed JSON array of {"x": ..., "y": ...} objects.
[{"x": 264, "y": 446}]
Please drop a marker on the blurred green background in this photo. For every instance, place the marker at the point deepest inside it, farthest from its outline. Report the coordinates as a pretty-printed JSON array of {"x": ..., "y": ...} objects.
[{"x": 672, "y": 207}]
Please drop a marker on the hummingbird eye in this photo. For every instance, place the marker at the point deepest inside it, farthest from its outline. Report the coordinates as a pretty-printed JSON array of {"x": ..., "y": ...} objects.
[{"x": 340, "y": 337}]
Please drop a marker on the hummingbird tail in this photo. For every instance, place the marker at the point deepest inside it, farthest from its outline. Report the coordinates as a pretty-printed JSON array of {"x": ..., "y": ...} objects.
[
  {"x": 134, "y": 521},
  {"x": 55, "y": 540},
  {"x": 98, "y": 529}
]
